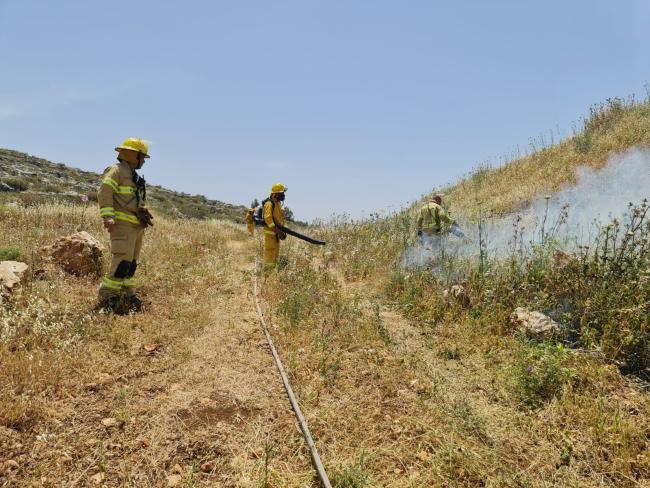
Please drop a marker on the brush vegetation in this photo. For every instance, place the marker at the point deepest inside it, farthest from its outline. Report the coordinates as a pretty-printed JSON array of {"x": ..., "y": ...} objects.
[
  {"x": 409, "y": 387},
  {"x": 401, "y": 383}
]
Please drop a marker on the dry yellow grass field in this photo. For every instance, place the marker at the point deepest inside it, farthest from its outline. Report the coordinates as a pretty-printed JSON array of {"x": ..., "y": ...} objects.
[
  {"x": 401, "y": 385},
  {"x": 82, "y": 403}
]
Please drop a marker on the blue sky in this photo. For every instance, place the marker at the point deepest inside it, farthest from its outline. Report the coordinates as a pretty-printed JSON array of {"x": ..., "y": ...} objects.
[{"x": 356, "y": 106}]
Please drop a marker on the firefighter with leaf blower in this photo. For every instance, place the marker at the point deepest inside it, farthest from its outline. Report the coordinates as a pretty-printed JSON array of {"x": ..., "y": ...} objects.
[
  {"x": 273, "y": 214},
  {"x": 121, "y": 198}
]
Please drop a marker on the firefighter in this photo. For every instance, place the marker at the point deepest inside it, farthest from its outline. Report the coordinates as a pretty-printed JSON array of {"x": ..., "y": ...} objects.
[
  {"x": 121, "y": 198},
  {"x": 273, "y": 214},
  {"x": 432, "y": 219},
  {"x": 250, "y": 222}
]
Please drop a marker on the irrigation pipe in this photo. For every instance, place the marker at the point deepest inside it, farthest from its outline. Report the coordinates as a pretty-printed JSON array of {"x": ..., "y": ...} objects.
[{"x": 315, "y": 458}]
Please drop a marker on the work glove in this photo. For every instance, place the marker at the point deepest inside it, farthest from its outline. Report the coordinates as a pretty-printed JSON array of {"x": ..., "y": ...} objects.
[
  {"x": 145, "y": 217},
  {"x": 282, "y": 235},
  {"x": 109, "y": 225}
]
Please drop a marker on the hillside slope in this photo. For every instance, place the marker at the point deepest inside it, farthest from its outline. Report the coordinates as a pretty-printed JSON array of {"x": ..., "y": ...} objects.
[
  {"x": 409, "y": 376},
  {"x": 30, "y": 179},
  {"x": 611, "y": 127}
]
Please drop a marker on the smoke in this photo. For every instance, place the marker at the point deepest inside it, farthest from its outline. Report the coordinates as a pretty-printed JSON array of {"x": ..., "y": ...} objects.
[{"x": 571, "y": 217}]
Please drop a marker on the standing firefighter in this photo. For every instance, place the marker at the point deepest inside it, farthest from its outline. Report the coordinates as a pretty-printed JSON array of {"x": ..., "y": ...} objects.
[
  {"x": 432, "y": 219},
  {"x": 273, "y": 214},
  {"x": 121, "y": 199},
  {"x": 250, "y": 221}
]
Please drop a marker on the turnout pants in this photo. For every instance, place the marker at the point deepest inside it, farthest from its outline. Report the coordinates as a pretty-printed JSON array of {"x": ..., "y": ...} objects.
[
  {"x": 271, "y": 250},
  {"x": 126, "y": 243}
]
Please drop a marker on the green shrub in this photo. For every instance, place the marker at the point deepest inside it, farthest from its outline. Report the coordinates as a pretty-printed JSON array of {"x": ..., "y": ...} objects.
[
  {"x": 17, "y": 183},
  {"x": 540, "y": 374},
  {"x": 9, "y": 254},
  {"x": 351, "y": 476}
]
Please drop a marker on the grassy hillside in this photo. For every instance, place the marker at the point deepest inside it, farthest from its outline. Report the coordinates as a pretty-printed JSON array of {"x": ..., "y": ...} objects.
[
  {"x": 402, "y": 384},
  {"x": 610, "y": 127},
  {"x": 31, "y": 180}
]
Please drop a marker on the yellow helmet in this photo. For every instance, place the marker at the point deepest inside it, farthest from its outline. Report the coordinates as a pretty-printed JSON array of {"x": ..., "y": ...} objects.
[
  {"x": 278, "y": 188},
  {"x": 135, "y": 144}
]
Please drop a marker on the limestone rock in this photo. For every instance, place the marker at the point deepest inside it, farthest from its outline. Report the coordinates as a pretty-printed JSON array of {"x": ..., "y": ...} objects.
[
  {"x": 535, "y": 324},
  {"x": 174, "y": 480},
  {"x": 6, "y": 187},
  {"x": 79, "y": 254},
  {"x": 12, "y": 274},
  {"x": 458, "y": 293}
]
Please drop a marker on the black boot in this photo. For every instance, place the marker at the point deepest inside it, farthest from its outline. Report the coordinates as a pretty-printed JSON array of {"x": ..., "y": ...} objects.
[
  {"x": 134, "y": 303},
  {"x": 109, "y": 304}
]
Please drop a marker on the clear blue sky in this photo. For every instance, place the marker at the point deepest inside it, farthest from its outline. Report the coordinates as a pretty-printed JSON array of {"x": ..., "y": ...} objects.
[{"x": 354, "y": 105}]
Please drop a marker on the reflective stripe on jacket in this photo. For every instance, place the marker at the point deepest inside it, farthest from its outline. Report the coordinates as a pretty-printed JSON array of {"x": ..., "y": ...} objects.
[
  {"x": 432, "y": 217},
  {"x": 117, "y": 194}
]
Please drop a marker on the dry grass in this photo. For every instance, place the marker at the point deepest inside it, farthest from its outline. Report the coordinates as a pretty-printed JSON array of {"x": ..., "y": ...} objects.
[
  {"x": 610, "y": 128},
  {"x": 435, "y": 400},
  {"x": 401, "y": 386},
  {"x": 205, "y": 404}
]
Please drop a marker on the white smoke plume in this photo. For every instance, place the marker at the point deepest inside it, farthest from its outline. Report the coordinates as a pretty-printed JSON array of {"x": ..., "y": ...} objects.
[{"x": 572, "y": 217}]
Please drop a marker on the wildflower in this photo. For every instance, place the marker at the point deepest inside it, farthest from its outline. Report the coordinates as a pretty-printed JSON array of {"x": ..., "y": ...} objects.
[{"x": 84, "y": 198}]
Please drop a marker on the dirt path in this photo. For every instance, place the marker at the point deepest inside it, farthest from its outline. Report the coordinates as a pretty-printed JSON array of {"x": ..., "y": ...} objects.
[{"x": 205, "y": 410}]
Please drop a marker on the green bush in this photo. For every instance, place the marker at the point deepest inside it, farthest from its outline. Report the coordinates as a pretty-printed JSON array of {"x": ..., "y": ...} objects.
[
  {"x": 540, "y": 374},
  {"x": 17, "y": 183},
  {"x": 351, "y": 476},
  {"x": 9, "y": 254}
]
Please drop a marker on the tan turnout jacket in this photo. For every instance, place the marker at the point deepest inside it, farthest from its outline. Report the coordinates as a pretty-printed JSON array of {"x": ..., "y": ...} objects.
[{"x": 117, "y": 194}]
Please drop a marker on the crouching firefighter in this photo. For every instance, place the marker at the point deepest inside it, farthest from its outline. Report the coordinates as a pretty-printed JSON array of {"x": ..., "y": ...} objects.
[
  {"x": 272, "y": 214},
  {"x": 432, "y": 220},
  {"x": 122, "y": 197}
]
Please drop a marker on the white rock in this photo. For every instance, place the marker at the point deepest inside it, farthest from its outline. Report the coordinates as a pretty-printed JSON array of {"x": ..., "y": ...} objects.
[
  {"x": 12, "y": 274},
  {"x": 535, "y": 324},
  {"x": 79, "y": 254}
]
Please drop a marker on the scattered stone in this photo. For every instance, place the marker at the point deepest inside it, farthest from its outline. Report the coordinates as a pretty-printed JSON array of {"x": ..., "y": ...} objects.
[
  {"x": 103, "y": 379},
  {"x": 65, "y": 459},
  {"x": 423, "y": 456},
  {"x": 177, "y": 469},
  {"x": 207, "y": 467},
  {"x": 79, "y": 254},
  {"x": 174, "y": 480},
  {"x": 12, "y": 274},
  {"x": 109, "y": 422},
  {"x": 152, "y": 347},
  {"x": 535, "y": 324},
  {"x": 9, "y": 466},
  {"x": 97, "y": 478},
  {"x": 458, "y": 293}
]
